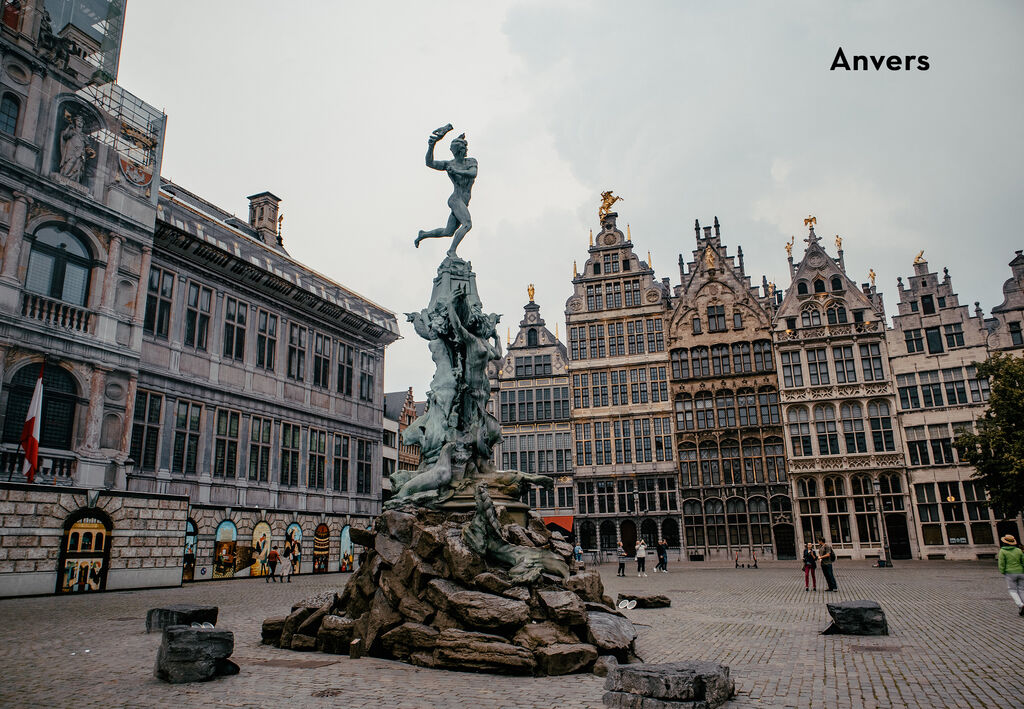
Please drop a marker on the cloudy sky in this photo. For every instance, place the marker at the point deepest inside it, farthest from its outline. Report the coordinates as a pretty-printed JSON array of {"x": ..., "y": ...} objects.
[{"x": 688, "y": 110}]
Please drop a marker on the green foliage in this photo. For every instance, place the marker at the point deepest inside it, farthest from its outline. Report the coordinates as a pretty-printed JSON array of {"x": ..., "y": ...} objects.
[{"x": 997, "y": 449}]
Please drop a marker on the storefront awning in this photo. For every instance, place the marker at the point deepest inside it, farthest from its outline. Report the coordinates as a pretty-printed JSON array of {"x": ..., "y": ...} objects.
[{"x": 564, "y": 521}]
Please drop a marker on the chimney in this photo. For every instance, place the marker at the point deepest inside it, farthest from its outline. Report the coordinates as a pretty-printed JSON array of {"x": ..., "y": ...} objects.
[{"x": 263, "y": 216}]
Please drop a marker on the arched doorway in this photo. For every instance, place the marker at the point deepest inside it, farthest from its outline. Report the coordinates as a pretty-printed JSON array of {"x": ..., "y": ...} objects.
[
  {"x": 261, "y": 544},
  {"x": 293, "y": 546},
  {"x": 899, "y": 536},
  {"x": 670, "y": 532},
  {"x": 628, "y": 532},
  {"x": 321, "y": 548},
  {"x": 85, "y": 552},
  {"x": 225, "y": 547},
  {"x": 188, "y": 563},
  {"x": 649, "y": 531},
  {"x": 347, "y": 552}
]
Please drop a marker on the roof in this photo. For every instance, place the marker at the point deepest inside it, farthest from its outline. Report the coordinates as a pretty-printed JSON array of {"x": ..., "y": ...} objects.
[{"x": 231, "y": 242}]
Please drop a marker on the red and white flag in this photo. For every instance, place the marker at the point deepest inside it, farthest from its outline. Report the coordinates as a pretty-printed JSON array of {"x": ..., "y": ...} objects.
[{"x": 30, "y": 431}]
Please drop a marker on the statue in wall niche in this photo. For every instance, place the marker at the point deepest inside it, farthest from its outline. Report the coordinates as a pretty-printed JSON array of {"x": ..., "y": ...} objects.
[
  {"x": 462, "y": 172},
  {"x": 74, "y": 150}
]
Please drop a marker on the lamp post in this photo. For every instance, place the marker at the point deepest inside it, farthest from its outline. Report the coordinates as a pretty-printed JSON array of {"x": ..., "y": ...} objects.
[{"x": 885, "y": 560}]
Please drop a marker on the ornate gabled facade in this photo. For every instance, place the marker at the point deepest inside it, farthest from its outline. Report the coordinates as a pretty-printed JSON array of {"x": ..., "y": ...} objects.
[
  {"x": 933, "y": 346},
  {"x": 729, "y": 434},
  {"x": 626, "y": 477},
  {"x": 839, "y": 408},
  {"x": 530, "y": 398},
  {"x": 1008, "y": 326}
]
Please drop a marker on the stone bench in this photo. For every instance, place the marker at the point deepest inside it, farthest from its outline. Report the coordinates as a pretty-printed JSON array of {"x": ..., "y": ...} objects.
[
  {"x": 856, "y": 618},
  {"x": 676, "y": 685},
  {"x": 190, "y": 654},
  {"x": 180, "y": 614},
  {"x": 645, "y": 600}
]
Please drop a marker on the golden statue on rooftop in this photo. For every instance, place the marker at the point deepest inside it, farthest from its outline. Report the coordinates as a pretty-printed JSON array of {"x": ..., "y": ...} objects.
[{"x": 607, "y": 200}]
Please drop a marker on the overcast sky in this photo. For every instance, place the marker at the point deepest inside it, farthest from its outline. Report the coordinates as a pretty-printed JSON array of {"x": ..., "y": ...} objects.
[{"x": 687, "y": 110}]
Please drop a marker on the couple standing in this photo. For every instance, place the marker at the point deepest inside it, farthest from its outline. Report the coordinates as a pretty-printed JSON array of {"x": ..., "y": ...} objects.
[{"x": 826, "y": 556}]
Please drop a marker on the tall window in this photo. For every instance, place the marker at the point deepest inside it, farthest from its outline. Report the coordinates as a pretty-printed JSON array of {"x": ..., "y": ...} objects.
[
  {"x": 346, "y": 365},
  {"x": 321, "y": 360},
  {"x": 225, "y": 444},
  {"x": 290, "y": 442},
  {"x": 235, "y": 315},
  {"x": 367, "y": 370},
  {"x": 186, "y": 437},
  {"x": 259, "y": 448},
  {"x": 296, "y": 352},
  {"x": 197, "y": 315},
  {"x": 266, "y": 340},
  {"x": 59, "y": 265},
  {"x": 317, "y": 459},
  {"x": 146, "y": 429},
  {"x": 341, "y": 462},
  {"x": 364, "y": 462},
  {"x": 10, "y": 107}
]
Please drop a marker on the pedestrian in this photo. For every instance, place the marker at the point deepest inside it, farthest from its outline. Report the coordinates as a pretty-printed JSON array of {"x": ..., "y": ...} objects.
[
  {"x": 641, "y": 558},
  {"x": 810, "y": 567},
  {"x": 1011, "y": 565},
  {"x": 577, "y": 553},
  {"x": 272, "y": 558},
  {"x": 622, "y": 560},
  {"x": 826, "y": 556},
  {"x": 662, "y": 550},
  {"x": 286, "y": 568}
]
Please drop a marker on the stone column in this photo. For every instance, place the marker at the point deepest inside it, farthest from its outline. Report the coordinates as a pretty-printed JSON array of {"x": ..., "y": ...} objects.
[
  {"x": 110, "y": 273},
  {"x": 94, "y": 415},
  {"x": 140, "y": 295},
  {"x": 15, "y": 234}
]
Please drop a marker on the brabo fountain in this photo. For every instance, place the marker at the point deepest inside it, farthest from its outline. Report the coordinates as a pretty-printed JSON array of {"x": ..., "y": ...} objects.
[{"x": 459, "y": 573}]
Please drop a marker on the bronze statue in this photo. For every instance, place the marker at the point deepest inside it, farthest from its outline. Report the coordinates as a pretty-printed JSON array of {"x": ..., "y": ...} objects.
[{"x": 462, "y": 172}]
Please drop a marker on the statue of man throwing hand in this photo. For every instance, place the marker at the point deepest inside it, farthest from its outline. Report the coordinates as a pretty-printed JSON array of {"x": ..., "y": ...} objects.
[{"x": 462, "y": 172}]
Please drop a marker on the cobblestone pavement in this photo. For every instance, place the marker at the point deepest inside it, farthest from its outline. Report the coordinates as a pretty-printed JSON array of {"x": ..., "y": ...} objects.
[{"x": 956, "y": 642}]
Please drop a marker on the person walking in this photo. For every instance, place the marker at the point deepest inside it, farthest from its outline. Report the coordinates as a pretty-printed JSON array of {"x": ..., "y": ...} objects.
[
  {"x": 1011, "y": 565},
  {"x": 662, "y": 551},
  {"x": 272, "y": 560},
  {"x": 826, "y": 556},
  {"x": 622, "y": 560},
  {"x": 810, "y": 567},
  {"x": 641, "y": 558}
]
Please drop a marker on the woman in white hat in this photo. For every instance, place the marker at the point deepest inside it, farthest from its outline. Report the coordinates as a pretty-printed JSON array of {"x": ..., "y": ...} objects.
[{"x": 1011, "y": 565}]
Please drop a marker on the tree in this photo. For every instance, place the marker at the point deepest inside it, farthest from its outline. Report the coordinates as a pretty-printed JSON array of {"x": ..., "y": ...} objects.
[{"x": 997, "y": 449}]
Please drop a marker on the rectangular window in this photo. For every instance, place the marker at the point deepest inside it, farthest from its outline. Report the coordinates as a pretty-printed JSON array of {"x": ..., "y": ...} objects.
[
  {"x": 321, "y": 360},
  {"x": 846, "y": 370},
  {"x": 290, "y": 446},
  {"x": 792, "y": 372},
  {"x": 186, "y": 438},
  {"x": 296, "y": 352},
  {"x": 915, "y": 343},
  {"x": 954, "y": 335},
  {"x": 197, "y": 316},
  {"x": 225, "y": 444},
  {"x": 259, "y": 448},
  {"x": 871, "y": 362},
  {"x": 341, "y": 462},
  {"x": 934, "y": 339},
  {"x": 716, "y": 318},
  {"x": 364, "y": 464},
  {"x": 235, "y": 314},
  {"x": 266, "y": 340},
  {"x": 146, "y": 429},
  {"x": 817, "y": 366},
  {"x": 317, "y": 459},
  {"x": 158, "y": 302},
  {"x": 367, "y": 376}
]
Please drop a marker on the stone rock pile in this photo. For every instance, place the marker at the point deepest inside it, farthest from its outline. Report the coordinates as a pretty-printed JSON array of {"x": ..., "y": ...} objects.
[{"x": 423, "y": 597}]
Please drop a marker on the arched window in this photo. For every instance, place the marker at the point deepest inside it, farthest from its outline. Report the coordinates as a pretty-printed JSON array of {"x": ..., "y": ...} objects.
[
  {"x": 681, "y": 364},
  {"x": 799, "y": 430},
  {"x": 10, "y": 108},
  {"x": 760, "y": 522},
  {"x": 801, "y": 288},
  {"x": 720, "y": 360},
  {"x": 853, "y": 428},
  {"x": 819, "y": 285},
  {"x": 825, "y": 427},
  {"x": 725, "y": 404},
  {"x": 714, "y": 512},
  {"x": 700, "y": 365},
  {"x": 693, "y": 522},
  {"x": 609, "y": 540},
  {"x": 753, "y": 466},
  {"x": 688, "y": 467},
  {"x": 531, "y": 337},
  {"x": 731, "y": 472},
  {"x": 684, "y": 412},
  {"x": 775, "y": 459},
  {"x": 59, "y": 399},
  {"x": 709, "y": 463},
  {"x": 705, "y": 412},
  {"x": 736, "y": 511},
  {"x": 837, "y": 283},
  {"x": 59, "y": 265}
]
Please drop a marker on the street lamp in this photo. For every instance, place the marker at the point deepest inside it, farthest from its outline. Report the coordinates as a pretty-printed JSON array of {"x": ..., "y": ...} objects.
[{"x": 884, "y": 561}]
